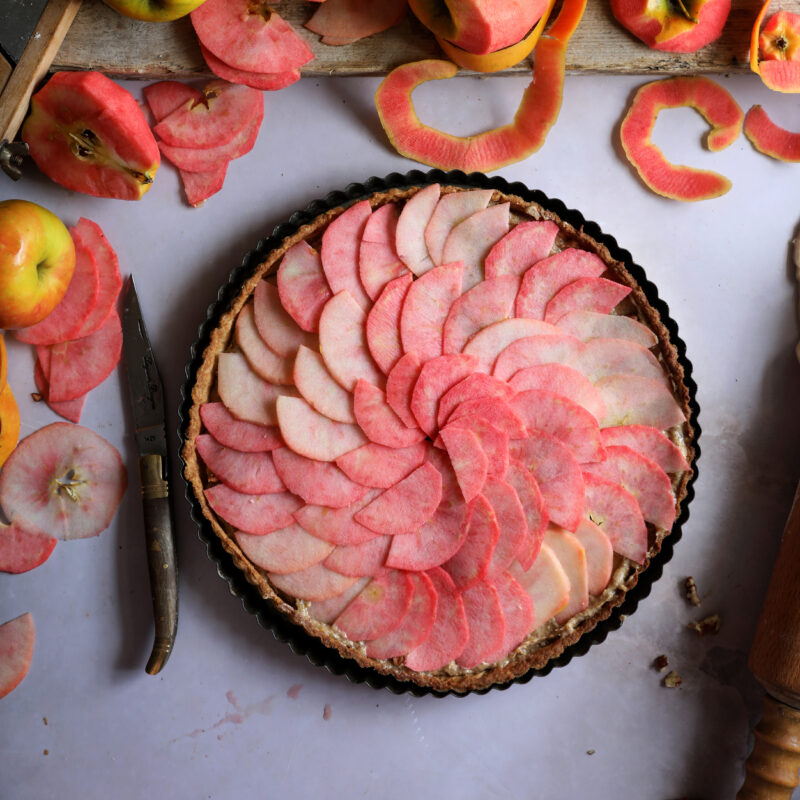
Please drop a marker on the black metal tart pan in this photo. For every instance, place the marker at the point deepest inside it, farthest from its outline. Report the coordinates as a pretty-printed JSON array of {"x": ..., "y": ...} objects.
[{"x": 298, "y": 639}]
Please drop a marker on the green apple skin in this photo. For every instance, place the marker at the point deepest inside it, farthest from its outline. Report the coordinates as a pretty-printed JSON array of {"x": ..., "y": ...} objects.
[
  {"x": 154, "y": 10},
  {"x": 37, "y": 259}
]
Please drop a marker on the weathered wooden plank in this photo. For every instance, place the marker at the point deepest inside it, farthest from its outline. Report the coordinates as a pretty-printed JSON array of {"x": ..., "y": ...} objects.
[{"x": 102, "y": 39}]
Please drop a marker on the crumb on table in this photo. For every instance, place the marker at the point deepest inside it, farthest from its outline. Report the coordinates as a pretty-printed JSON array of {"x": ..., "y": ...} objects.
[
  {"x": 710, "y": 624},
  {"x": 673, "y": 680},
  {"x": 691, "y": 591},
  {"x": 661, "y": 663}
]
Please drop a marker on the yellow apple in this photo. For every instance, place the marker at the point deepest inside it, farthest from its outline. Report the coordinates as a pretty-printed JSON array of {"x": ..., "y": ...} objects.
[
  {"x": 37, "y": 258},
  {"x": 154, "y": 10}
]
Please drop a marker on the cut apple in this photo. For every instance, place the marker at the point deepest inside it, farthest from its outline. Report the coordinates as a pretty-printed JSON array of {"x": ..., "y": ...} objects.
[
  {"x": 89, "y": 134},
  {"x": 488, "y": 343},
  {"x": 246, "y": 437},
  {"x": 199, "y": 186},
  {"x": 492, "y": 441},
  {"x": 510, "y": 515},
  {"x": 586, "y": 325},
  {"x": 649, "y": 442},
  {"x": 533, "y": 505},
  {"x": 379, "y": 608},
  {"x": 21, "y": 551},
  {"x": 258, "y": 514},
  {"x": 357, "y": 560},
  {"x": 68, "y": 409},
  {"x": 400, "y": 383},
  {"x": 286, "y": 550},
  {"x": 522, "y": 247},
  {"x": 378, "y": 260},
  {"x": 599, "y": 555},
  {"x": 452, "y": 209},
  {"x": 774, "y": 52},
  {"x": 561, "y": 380},
  {"x": 249, "y": 473},
  {"x": 468, "y": 459},
  {"x": 164, "y": 97},
  {"x": 63, "y": 480},
  {"x": 474, "y": 386},
  {"x": 319, "y": 389},
  {"x": 708, "y": 98},
  {"x": 16, "y": 651},
  {"x": 436, "y": 377},
  {"x": 246, "y": 396},
  {"x": 302, "y": 286},
  {"x": 340, "y": 251},
  {"x": 263, "y": 81},
  {"x": 546, "y": 583},
  {"x": 383, "y": 323},
  {"x": 572, "y": 557},
  {"x": 378, "y": 421},
  {"x": 485, "y": 621},
  {"x": 346, "y": 21},
  {"x": 266, "y": 363},
  {"x": 337, "y": 525},
  {"x": 316, "y": 582},
  {"x": 381, "y": 467},
  {"x": 411, "y": 225},
  {"x": 769, "y": 138}
]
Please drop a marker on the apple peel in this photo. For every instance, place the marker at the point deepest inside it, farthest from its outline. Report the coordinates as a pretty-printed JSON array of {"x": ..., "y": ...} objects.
[
  {"x": 769, "y": 138},
  {"x": 774, "y": 53},
  {"x": 707, "y": 97}
]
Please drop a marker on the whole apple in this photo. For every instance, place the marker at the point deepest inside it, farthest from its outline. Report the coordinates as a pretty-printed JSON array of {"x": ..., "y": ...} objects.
[
  {"x": 154, "y": 10},
  {"x": 37, "y": 258}
]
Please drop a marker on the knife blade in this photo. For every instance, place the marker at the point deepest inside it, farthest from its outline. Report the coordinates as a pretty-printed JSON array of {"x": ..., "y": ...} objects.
[{"x": 147, "y": 402}]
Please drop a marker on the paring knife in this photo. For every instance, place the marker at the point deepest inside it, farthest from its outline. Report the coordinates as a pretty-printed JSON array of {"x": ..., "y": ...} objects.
[
  {"x": 31, "y": 32},
  {"x": 147, "y": 399}
]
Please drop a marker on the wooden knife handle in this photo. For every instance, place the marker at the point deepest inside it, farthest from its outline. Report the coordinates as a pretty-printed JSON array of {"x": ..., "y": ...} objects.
[
  {"x": 161, "y": 559},
  {"x": 771, "y": 770}
]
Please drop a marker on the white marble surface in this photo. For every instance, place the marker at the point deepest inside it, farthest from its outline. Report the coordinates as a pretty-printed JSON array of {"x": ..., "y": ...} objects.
[{"x": 235, "y": 712}]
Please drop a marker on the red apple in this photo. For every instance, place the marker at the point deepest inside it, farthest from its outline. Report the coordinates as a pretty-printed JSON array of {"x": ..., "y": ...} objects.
[
  {"x": 37, "y": 258},
  {"x": 154, "y": 10},
  {"x": 676, "y": 26},
  {"x": 775, "y": 50}
]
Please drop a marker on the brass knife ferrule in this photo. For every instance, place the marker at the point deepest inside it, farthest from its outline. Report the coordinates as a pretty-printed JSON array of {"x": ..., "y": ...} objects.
[{"x": 151, "y": 477}]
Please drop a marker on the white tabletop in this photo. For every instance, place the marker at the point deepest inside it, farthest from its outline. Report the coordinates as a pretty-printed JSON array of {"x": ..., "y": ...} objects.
[{"x": 235, "y": 711}]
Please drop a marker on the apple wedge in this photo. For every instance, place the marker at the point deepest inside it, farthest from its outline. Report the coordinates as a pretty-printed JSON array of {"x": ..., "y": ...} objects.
[
  {"x": 21, "y": 551},
  {"x": 16, "y": 651}
]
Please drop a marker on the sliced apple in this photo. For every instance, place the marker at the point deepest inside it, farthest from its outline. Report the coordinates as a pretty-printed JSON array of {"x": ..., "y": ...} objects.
[
  {"x": 533, "y": 505},
  {"x": 376, "y": 418},
  {"x": 164, "y": 97},
  {"x": 599, "y": 555},
  {"x": 68, "y": 409},
  {"x": 649, "y": 442},
  {"x": 263, "y": 81},
  {"x": 586, "y": 325},
  {"x": 277, "y": 328},
  {"x": 518, "y": 614},
  {"x": 265, "y": 362},
  {"x": 468, "y": 459},
  {"x": 637, "y": 400},
  {"x": 21, "y": 551},
  {"x": 358, "y": 560},
  {"x": 286, "y": 550},
  {"x": 381, "y": 467},
  {"x": 492, "y": 440},
  {"x": 302, "y": 286},
  {"x": 435, "y": 378},
  {"x": 379, "y": 608},
  {"x": 708, "y": 98},
  {"x": 546, "y": 583},
  {"x": 327, "y": 610},
  {"x": 247, "y": 397},
  {"x": 340, "y": 251},
  {"x": 63, "y": 480},
  {"x": 522, "y": 247},
  {"x": 336, "y": 525},
  {"x": 511, "y": 520},
  {"x": 487, "y": 626},
  {"x": 410, "y": 234},
  {"x": 16, "y": 651},
  {"x": 378, "y": 261},
  {"x": 319, "y": 389},
  {"x": 556, "y": 348},
  {"x": 572, "y": 557},
  {"x": 245, "y": 437},
  {"x": 586, "y": 294},
  {"x": 400, "y": 384},
  {"x": 488, "y": 343},
  {"x": 473, "y": 386},
  {"x": 347, "y": 21},
  {"x": 316, "y": 582},
  {"x": 383, "y": 323},
  {"x": 495, "y": 411},
  {"x": 561, "y": 380},
  {"x": 249, "y": 473},
  {"x": 258, "y": 514},
  {"x": 600, "y": 358},
  {"x": 452, "y": 209},
  {"x": 199, "y": 186}
]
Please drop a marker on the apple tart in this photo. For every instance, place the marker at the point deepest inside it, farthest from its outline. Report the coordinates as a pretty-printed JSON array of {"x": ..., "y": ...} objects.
[{"x": 442, "y": 429}]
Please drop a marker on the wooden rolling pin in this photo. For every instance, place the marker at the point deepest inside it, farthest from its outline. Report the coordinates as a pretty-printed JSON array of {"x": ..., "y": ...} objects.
[{"x": 772, "y": 768}]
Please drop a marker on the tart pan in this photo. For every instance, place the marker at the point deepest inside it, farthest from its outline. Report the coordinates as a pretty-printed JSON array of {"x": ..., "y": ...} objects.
[{"x": 268, "y": 617}]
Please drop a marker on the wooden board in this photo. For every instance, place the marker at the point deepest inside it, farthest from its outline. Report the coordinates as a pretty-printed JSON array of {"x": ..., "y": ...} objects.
[{"x": 102, "y": 39}]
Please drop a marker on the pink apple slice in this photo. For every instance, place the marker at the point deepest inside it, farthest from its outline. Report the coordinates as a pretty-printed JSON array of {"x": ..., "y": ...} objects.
[
  {"x": 289, "y": 549},
  {"x": 561, "y": 417},
  {"x": 617, "y": 513},
  {"x": 487, "y": 626},
  {"x": 572, "y": 557},
  {"x": 496, "y": 411},
  {"x": 265, "y": 362},
  {"x": 16, "y": 651},
  {"x": 601, "y": 358},
  {"x": 416, "y": 625},
  {"x": 562, "y": 380},
  {"x": 327, "y": 610},
  {"x": 317, "y": 482},
  {"x": 63, "y": 480},
  {"x": 435, "y": 378},
  {"x": 357, "y": 560},
  {"x": 557, "y": 474},
  {"x": 557, "y": 348},
  {"x": 246, "y": 396},
  {"x": 472, "y": 387},
  {"x": 489, "y": 302},
  {"x": 379, "y": 608},
  {"x": 312, "y": 435},
  {"x": 69, "y": 409},
  {"x": 425, "y": 309},
  {"x": 599, "y": 555},
  {"x": 643, "y": 478},
  {"x": 383, "y": 323},
  {"x": 199, "y": 186},
  {"x": 340, "y": 250},
  {"x": 534, "y": 508},
  {"x": 452, "y": 209},
  {"x": 66, "y": 320},
  {"x": 407, "y": 505},
  {"x": 636, "y": 400},
  {"x": 205, "y": 159},
  {"x": 586, "y": 294},
  {"x": 586, "y": 325},
  {"x": 436, "y": 541},
  {"x": 319, "y": 389},
  {"x": 90, "y": 236},
  {"x": 488, "y": 343},
  {"x": 376, "y": 418},
  {"x": 470, "y": 241},
  {"x": 518, "y": 614},
  {"x": 400, "y": 383},
  {"x": 547, "y": 277},
  {"x": 246, "y": 437},
  {"x": 511, "y": 520},
  {"x": 492, "y": 441},
  {"x": 336, "y": 525},
  {"x": 649, "y": 442},
  {"x": 450, "y": 630},
  {"x": 302, "y": 286},
  {"x": 547, "y": 584},
  {"x": 378, "y": 262},
  {"x": 258, "y": 514},
  {"x": 348, "y": 21},
  {"x": 263, "y": 81},
  {"x": 315, "y": 583},
  {"x": 468, "y": 459},
  {"x": 524, "y": 245},
  {"x": 249, "y": 37},
  {"x": 377, "y": 466},
  {"x": 164, "y": 97},
  {"x": 249, "y": 473},
  {"x": 77, "y": 366},
  {"x": 224, "y": 110},
  {"x": 410, "y": 235},
  {"x": 343, "y": 342},
  {"x": 470, "y": 563},
  {"x": 275, "y": 326},
  {"x": 21, "y": 551}
]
